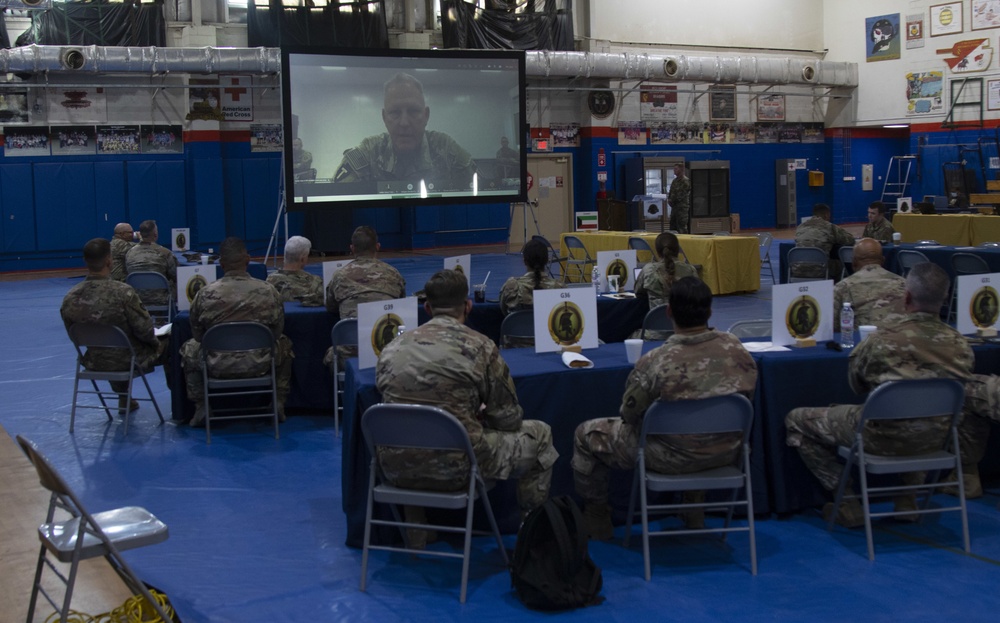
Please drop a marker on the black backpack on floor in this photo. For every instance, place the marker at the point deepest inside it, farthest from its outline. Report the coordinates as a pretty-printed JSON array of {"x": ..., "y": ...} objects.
[{"x": 551, "y": 568}]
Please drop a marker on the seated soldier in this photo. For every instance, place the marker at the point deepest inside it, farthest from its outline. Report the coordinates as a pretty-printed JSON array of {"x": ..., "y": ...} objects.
[
  {"x": 873, "y": 292},
  {"x": 292, "y": 282},
  {"x": 819, "y": 232},
  {"x": 147, "y": 256},
  {"x": 723, "y": 367}
]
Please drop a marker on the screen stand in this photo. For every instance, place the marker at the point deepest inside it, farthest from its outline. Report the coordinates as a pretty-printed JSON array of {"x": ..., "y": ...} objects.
[
  {"x": 282, "y": 215},
  {"x": 525, "y": 206}
]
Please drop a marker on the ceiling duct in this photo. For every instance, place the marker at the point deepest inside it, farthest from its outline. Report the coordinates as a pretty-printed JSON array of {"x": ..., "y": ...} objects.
[
  {"x": 759, "y": 70},
  {"x": 142, "y": 60}
]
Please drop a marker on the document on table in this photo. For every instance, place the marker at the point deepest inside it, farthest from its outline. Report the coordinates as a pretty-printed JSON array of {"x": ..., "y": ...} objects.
[{"x": 763, "y": 347}]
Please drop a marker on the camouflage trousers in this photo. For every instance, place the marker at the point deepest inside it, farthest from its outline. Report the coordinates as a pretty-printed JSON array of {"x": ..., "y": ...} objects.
[
  {"x": 982, "y": 404},
  {"x": 146, "y": 358},
  {"x": 604, "y": 444},
  {"x": 526, "y": 455},
  {"x": 195, "y": 384},
  {"x": 817, "y": 431},
  {"x": 680, "y": 220}
]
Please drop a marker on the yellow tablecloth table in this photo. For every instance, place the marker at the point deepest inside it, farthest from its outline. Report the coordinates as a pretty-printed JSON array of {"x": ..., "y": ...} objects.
[
  {"x": 947, "y": 229},
  {"x": 985, "y": 228},
  {"x": 729, "y": 263}
]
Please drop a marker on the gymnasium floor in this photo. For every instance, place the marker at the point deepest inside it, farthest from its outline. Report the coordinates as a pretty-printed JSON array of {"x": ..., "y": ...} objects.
[{"x": 257, "y": 529}]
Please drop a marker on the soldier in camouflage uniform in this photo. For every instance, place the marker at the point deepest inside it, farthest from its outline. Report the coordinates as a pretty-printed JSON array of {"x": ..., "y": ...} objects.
[
  {"x": 679, "y": 199},
  {"x": 407, "y": 151},
  {"x": 518, "y": 292},
  {"x": 911, "y": 346},
  {"x": 656, "y": 277},
  {"x": 121, "y": 244},
  {"x": 237, "y": 297},
  {"x": 819, "y": 232},
  {"x": 292, "y": 282},
  {"x": 873, "y": 292},
  {"x": 982, "y": 403},
  {"x": 696, "y": 362},
  {"x": 148, "y": 256},
  {"x": 878, "y": 226},
  {"x": 302, "y": 168},
  {"x": 448, "y": 365},
  {"x": 105, "y": 301}
]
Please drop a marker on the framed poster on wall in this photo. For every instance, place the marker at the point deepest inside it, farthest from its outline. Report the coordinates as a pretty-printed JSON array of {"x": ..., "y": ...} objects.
[
  {"x": 722, "y": 104},
  {"x": 946, "y": 19},
  {"x": 985, "y": 14}
]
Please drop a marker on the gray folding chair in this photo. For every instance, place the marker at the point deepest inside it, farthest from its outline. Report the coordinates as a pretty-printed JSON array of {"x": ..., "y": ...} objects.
[
  {"x": 721, "y": 414},
  {"x": 428, "y": 428},
  {"x": 145, "y": 282},
  {"x": 578, "y": 257},
  {"x": 83, "y": 536},
  {"x": 908, "y": 258},
  {"x": 657, "y": 320},
  {"x": 641, "y": 247},
  {"x": 910, "y": 400},
  {"x": 518, "y": 329},
  {"x": 964, "y": 264},
  {"x": 764, "y": 239},
  {"x": 812, "y": 260},
  {"x": 846, "y": 255},
  {"x": 232, "y": 339},
  {"x": 554, "y": 259},
  {"x": 344, "y": 333},
  {"x": 751, "y": 328},
  {"x": 87, "y": 335}
]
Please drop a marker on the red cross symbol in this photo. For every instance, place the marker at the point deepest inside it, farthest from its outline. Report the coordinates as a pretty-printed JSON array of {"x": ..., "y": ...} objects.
[{"x": 234, "y": 91}]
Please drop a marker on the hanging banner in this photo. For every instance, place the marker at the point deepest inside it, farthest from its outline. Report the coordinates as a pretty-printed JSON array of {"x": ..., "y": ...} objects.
[{"x": 237, "y": 98}]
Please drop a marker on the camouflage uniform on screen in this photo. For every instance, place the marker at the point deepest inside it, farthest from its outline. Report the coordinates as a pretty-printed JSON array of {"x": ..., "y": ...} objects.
[
  {"x": 654, "y": 281},
  {"x": 298, "y": 285},
  {"x": 702, "y": 365},
  {"x": 119, "y": 248},
  {"x": 882, "y": 231},
  {"x": 448, "y": 365},
  {"x": 822, "y": 234},
  {"x": 151, "y": 257},
  {"x": 237, "y": 297},
  {"x": 679, "y": 199},
  {"x": 441, "y": 160},
  {"x": 914, "y": 346},
  {"x": 518, "y": 292},
  {"x": 873, "y": 292},
  {"x": 108, "y": 302}
]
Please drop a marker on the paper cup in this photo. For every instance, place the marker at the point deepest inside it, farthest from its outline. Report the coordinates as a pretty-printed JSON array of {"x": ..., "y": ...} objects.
[
  {"x": 865, "y": 330},
  {"x": 896, "y": 236},
  {"x": 204, "y": 259},
  {"x": 633, "y": 350}
]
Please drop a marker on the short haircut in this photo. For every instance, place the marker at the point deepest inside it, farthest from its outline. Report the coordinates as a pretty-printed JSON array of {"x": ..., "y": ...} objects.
[
  {"x": 928, "y": 286},
  {"x": 96, "y": 253},
  {"x": 877, "y": 205},
  {"x": 535, "y": 254},
  {"x": 822, "y": 210},
  {"x": 447, "y": 291},
  {"x": 364, "y": 240},
  {"x": 232, "y": 251},
  {"x": 402, "y": 79},
  {"x": 297, "y": 249},
  {"x": 667, "y": 245},
  {"x": 146, "y": 228},
  {"x": 690, "y": 302},
  {"x": 122, "y": 228}
]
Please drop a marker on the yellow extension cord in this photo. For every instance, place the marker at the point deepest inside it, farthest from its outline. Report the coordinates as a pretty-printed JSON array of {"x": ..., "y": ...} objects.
[{"x": 135, "y": 610}]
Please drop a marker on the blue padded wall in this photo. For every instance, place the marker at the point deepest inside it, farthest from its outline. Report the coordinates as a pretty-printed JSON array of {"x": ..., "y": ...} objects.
[
  {"x": 112, "y": 206},
  {"x": 66, "y": 205},
  {"x": 16, "y": 199},
  {"x": 156, "y": 191}
]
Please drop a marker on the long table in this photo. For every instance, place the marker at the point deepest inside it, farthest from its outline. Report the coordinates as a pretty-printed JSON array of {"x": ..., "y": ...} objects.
[
  {"x": 948, "y": 229},
  {"x": 809, "y": 377},
  {"x": 729, "y": 263},
  {"x": 309, "y": 330}
]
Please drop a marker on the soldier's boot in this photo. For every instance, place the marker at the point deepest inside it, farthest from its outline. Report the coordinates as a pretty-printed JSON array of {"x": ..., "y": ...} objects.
[
  {"x": 198, "y": 419},
  {"x": 694, "y": 519},
  {"x": 849, "y": 515},
  {"x": 124, "y": 402},
  {"x": 970, "y": 476},
  {"x": 417, "y": 538},
  {"x": 597, "y": 521}
]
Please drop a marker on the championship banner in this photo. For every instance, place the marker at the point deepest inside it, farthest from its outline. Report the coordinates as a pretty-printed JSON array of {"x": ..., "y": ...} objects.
[
  {"x": 191, "y": 279},
  {"x": 565, "y": 318},
  {"x": 378, "y": 323},
  {"x": 801, "y": 311}
]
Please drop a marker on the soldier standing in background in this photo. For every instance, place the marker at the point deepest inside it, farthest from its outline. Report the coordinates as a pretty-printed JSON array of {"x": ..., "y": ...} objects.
[
  {"x": 723, "y": 367},
  {"x": 292, "y": 282},
  {"x": 679, "y": 199},
  {"x": 916, "y": 345},
  {"x": 237, "y": 297},
  {"x": 121, "y": 244},
  {"x": 448, "y": 365}
]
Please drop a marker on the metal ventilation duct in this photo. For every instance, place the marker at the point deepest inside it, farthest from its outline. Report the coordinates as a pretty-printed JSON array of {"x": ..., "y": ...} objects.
[{"x": 141, "y": 60}]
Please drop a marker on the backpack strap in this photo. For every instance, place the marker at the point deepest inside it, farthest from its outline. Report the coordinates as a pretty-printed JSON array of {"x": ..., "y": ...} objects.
[
  {"x": 581, "y": 537},
  {"x": 561, "y": 533}
]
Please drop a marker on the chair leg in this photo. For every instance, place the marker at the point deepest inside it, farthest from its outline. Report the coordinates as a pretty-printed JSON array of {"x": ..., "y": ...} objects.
[
  {"x": 100, "y": 396},
  {"x": 368, "y": 524},
  {"x": 644, "y": 509},
  {"x": 631, "y": 508},
  {"x": 467, "y": 548},
  {"x": 863, "y": 476},
  {"x": 845, "y": 475},
  {"x": 335, "y": 373},
  {"x": 128, "y": 399},
  {"x": 748, "y": 487},
  {"x": 36, "y": 584},
  {"x": 76, "y": 392},
  {"x": 493, "y": 520},
  {"x": 152, "y": 398}
]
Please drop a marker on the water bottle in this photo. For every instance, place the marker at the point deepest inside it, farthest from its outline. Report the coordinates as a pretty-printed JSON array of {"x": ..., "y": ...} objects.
[
  {"x": 595, "y": 278},
  {"x": 847, "y": 326},
  {"x": 400, "y": 330}
]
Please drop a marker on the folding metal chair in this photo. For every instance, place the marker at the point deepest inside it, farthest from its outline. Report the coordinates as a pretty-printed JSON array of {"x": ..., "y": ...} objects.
[
  {"x": 574, "y": 246},
  {"x": 721, "y": 414},
  {"x": 233, "y": 338},
  {"x": 84, "y": 536},
  {"x": 751, "y": 328},
  {"x": 641, "y": 246},
  {"x": 910, "y": 400},
  {"x": 429, "y": 428},
  {"x": 344, "y": 333},
  {"x": 87, "y": 335},
  {"x": 657, "y": 320},
  {"x": 812, "y": 258},
  {"x": 518, "y": 329},
  {"x": 908, "y": 258},
  {"x": 846, "y": 255},
  {"x": 145, "y": 281},
  {"x": 554, "y": 258},
  {"x": 964, "y": 264},
  {"x": 764, "y": 244}
]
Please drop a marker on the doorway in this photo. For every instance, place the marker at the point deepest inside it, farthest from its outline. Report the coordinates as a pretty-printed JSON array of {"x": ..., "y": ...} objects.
[{"x": 550, "y": 200}]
